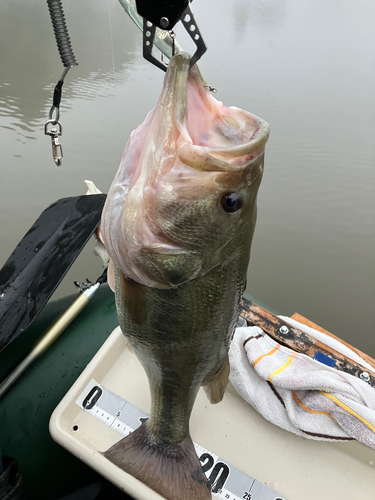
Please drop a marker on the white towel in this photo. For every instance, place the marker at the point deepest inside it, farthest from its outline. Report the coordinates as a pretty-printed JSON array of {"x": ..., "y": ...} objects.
[{"x": 299, "y": 394}]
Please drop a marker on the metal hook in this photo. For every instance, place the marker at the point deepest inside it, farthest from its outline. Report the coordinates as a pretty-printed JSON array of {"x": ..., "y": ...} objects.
[
  {"x": 173, "y": 36},
  {"x": 56, "y": 110},
  {"x": 53, "y": 128},
  {"x": 54, "y": 116},
  {"x": 57, "y": 151}
]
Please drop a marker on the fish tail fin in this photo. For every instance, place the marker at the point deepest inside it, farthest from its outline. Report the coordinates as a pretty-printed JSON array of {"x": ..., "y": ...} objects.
[{"x": 174, "y": 471}]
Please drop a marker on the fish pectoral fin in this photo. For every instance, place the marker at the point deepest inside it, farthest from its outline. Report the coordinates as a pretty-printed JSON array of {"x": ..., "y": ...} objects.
[
  {"x": 172, "y": 470},
  {"x": 171, "y": 268},
  {"x": 215, "y": 387}
]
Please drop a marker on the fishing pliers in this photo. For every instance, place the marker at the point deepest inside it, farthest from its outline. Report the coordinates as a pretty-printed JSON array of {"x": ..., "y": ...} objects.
[{"x": 157, "y": 18}]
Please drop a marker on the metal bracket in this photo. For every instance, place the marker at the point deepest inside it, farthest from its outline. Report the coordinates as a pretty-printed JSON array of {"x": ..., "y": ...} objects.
[
  {"x": 53, "y": 128},
  {"x": 162, "y": 13},
  {"x": 153, "y": 21},
  {"x": 299, "y": 341}
]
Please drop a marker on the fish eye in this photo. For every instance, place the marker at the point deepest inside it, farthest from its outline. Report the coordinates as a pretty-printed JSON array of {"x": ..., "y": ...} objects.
[{"x": 231, "y": 202}]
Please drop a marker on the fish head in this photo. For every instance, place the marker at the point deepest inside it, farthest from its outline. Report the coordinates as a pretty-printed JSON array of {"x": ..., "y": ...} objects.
[
  {"x": 205, "y": 219},
  {"x": 184, "y": 199}
]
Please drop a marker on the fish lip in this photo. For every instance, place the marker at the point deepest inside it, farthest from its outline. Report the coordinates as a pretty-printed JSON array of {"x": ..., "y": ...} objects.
[
  {"x": 255, "y": 145},
  {"x": 215, "y": 156},
  {"x": 174, "y": 93}
]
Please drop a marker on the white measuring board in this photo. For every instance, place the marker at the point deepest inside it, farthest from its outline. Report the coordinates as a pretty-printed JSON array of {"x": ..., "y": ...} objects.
[{"x": 227, "y": 481}]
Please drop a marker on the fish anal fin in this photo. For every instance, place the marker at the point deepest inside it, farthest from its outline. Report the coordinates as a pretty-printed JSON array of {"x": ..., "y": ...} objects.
[
  {"x": 215, "y": 387},
  {"x": 174, "y": 470}
]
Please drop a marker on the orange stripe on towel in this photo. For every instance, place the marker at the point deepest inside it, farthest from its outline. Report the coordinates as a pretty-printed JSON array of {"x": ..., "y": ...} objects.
[
  {"x": 349, "y": 410},
  {"x": 299, "y": 402},
  {"x": 267, "y": 354},
  {"x": 282, "y": 368}
]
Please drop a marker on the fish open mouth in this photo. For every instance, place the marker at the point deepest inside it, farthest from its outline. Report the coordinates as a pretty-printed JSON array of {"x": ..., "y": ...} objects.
[
  {"x": 187, "y": 147},
  {"x": 213, "y": 137}
]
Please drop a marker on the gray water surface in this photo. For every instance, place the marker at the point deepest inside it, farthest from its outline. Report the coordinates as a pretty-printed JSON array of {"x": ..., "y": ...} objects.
[{"x": 305, "y": 66}]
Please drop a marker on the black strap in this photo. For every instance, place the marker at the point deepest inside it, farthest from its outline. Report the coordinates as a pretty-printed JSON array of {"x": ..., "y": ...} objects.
[{"x": 57, "y": 94}]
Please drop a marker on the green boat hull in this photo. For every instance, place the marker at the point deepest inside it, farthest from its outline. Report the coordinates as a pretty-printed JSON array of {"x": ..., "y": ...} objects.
[{"x": 49, "y": 472}]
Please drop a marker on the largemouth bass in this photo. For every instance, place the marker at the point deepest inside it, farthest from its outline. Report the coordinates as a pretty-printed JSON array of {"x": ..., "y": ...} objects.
[{"x": 178, "y": 225}]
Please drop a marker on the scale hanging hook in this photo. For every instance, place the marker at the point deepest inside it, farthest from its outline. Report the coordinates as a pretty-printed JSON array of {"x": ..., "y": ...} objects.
[{"x": 53, "y": 126}]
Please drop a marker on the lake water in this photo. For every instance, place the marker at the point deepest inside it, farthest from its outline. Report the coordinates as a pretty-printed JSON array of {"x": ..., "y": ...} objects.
[{"x": 305, "y": 66}]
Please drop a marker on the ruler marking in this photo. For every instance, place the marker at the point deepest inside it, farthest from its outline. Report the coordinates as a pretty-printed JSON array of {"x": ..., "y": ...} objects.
[{"x": 227, "y": 482}]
